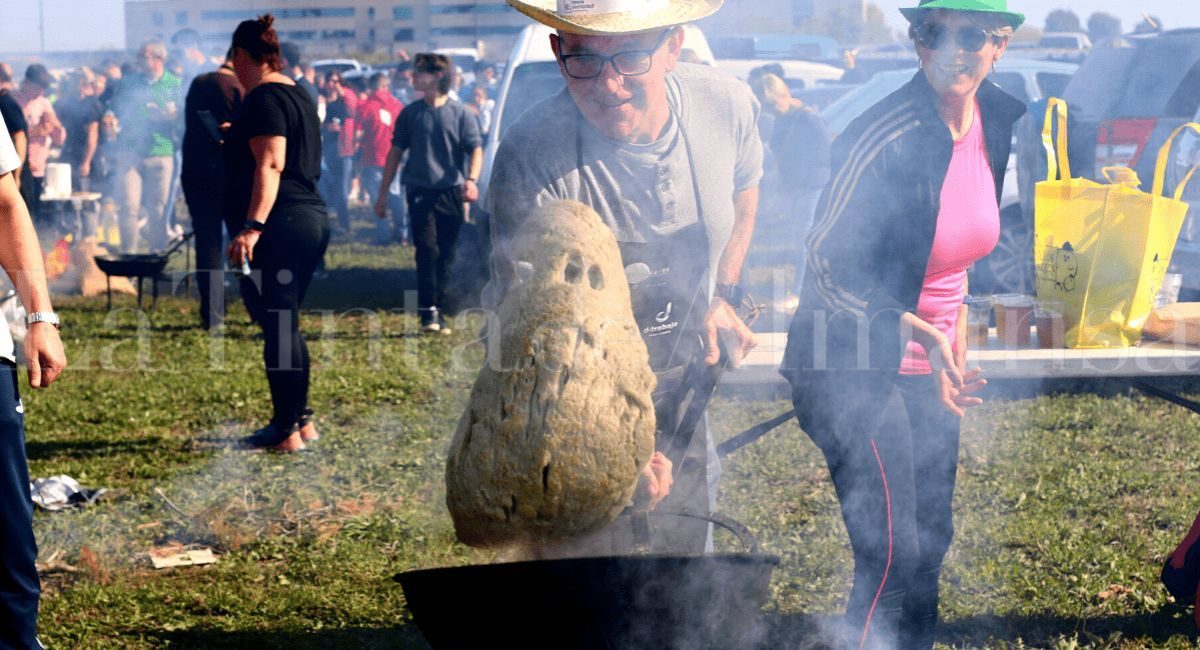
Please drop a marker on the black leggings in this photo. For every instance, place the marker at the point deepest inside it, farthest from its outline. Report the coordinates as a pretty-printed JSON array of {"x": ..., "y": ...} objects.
[
  {"x": 210, "y": 221},
  {"x": 285, "y": 258},
  {"x": 892, "y": 453}
]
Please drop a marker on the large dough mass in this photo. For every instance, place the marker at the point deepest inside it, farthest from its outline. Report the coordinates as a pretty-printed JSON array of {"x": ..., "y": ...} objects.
[{"x": 560, "y": 421}]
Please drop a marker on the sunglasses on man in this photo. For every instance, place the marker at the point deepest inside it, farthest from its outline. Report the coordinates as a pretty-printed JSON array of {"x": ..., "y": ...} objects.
[
  {"x": 630, "y": 63},
  {"x": 934, "y": 35}
]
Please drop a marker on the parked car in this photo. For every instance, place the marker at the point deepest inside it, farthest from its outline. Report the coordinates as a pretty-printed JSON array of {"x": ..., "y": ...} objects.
[
  {"x": 1184, "y": 157},
  {"x": 532, "y": 74},
  {"x": 1123, "y": 104},
  {"x": 323, "y": 66},
  {"x": 777, "y": 46},
  {"x": 798, "y": 74},
  {"x": 463, "y": 59},
  {"x": 1068, "y": 41},
  {"x": 1010, "y": 266},
  {"x": 1026, "y": 79}
]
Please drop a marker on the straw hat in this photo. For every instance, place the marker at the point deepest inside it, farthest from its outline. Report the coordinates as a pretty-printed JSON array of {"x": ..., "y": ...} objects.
[{"x": 608, "y": 17}]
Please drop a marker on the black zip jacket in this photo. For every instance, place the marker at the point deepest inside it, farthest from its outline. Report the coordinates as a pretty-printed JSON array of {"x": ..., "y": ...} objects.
[{"x": 870, "y": 243}]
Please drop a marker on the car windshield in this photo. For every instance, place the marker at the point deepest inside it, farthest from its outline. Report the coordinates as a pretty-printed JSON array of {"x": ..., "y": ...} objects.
[
  {"x": 531, "y": 82},
  {"x": 334, "y": 67},
  {"x": 1060, "y": 42},
  {"x": 1157, "y": 78},
  {"x": 840, "y": 113}
]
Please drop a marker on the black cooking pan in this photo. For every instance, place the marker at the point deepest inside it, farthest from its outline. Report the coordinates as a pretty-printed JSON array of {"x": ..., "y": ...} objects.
[
  {"x": 654, "y": 601},
  {"x": 139, "y": 266},
  {"x": 132, "y": 266},
  {"x": 144, "y": 265}
]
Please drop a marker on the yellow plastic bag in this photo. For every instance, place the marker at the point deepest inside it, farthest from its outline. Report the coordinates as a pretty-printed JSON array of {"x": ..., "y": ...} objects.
[{"x": 1102, "y": 248}]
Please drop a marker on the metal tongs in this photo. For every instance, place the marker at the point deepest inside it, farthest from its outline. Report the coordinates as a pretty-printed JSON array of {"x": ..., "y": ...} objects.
[{"x": 700, "y": 382}]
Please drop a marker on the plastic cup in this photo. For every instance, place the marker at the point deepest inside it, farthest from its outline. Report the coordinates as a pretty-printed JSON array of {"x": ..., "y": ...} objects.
[
  {"x": 979, "y": 316},
  {"x": 1169, "y": 293},
  {"x": 1051, "y": 327},
  {"x": 999, "y": 301},
  {"x": 1014, "y": 315}
]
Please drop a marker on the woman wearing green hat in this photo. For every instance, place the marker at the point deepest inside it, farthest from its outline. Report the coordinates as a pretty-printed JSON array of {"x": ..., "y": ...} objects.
[{"x": 877, "y": 351}]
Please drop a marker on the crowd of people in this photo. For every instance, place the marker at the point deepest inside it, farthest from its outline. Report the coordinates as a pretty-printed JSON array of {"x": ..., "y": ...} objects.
[
  {"x": 674, "y": 158},
  {"x": 121, "y": 126},
  {"x": 264, "y": 150}
]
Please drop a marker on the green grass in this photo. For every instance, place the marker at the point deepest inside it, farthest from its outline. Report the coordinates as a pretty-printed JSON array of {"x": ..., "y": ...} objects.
[{"x": 1059, "y": 498}]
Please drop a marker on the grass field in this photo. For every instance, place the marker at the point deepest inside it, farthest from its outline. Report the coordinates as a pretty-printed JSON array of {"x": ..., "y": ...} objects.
[{"x": 1066, "y": 504}]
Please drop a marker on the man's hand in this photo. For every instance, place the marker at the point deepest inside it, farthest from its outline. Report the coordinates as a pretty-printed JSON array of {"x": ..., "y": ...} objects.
[
  {"x": 85, "y": 170},
  {"x": 722, "y": 324},
  {"x": 44, "y": 354},
  {"x": 656, "y": 479},
  {"x": 470, "y": 191},
  {"x": 381, "y": 207}
]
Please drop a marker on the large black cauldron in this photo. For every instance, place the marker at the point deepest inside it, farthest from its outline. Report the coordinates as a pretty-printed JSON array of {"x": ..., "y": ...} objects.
[{"x": 614, "y": 602}]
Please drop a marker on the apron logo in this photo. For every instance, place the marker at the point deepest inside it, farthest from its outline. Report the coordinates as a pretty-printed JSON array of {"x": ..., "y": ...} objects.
[{"x": 665, "y": 314}]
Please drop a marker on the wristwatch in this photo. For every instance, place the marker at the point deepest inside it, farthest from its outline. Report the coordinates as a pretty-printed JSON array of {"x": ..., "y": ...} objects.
[
  {"x": 43, "y": 317},
  {"x": 730, "y": 293},
  {"x": 256, "y": 226}
]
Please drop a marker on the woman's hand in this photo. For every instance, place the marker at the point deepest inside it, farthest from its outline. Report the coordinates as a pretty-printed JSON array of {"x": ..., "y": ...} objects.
[
  {"x": 955, "y": 399},
  {"x": 955, "y": 383},
  {"x": 937, "y": 347},
  {"x": 241, "y": 249},
  {"x": 973, "y": 380}
]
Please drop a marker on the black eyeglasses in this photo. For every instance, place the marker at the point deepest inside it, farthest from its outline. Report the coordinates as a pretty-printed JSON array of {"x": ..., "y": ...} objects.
[
  {"x": 933, "y": 35},
  {"x": 629, "y": 64}
]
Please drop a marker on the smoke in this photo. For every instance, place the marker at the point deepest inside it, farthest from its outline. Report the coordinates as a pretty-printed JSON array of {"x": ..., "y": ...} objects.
[{"x": 237, "y": 499}]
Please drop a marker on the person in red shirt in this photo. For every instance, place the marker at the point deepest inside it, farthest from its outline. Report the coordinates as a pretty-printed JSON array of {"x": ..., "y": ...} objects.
[
  {"x": 376, "y": 118},
  {"x": 339, "y": 133}
]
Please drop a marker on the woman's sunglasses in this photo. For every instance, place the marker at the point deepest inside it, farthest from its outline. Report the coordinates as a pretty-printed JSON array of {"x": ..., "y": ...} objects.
[{"x": 933, "y": 35}]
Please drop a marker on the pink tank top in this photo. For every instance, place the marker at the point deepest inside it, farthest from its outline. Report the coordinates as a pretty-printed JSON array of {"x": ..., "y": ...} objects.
[{"x": 968, "y": 227}]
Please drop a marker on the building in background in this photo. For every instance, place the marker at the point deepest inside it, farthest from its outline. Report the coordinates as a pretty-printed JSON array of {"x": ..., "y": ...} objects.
[
  {"x": 773, "y": 16},
  {"x": 328, "y": 27}
]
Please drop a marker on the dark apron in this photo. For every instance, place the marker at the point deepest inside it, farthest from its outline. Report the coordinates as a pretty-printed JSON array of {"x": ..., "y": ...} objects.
[{"x": 668, "y": 281}]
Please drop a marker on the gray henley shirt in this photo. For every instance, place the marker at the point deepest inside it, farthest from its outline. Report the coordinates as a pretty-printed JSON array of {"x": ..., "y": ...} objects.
[{"x": 640, "y": 191}]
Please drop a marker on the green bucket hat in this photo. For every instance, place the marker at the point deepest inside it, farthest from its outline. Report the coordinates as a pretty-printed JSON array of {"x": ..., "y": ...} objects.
[{"x": 989, "y": 6}]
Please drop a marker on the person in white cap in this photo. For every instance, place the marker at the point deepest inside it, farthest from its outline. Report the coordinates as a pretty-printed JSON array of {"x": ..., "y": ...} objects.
[{"x": 668, "y": 154}]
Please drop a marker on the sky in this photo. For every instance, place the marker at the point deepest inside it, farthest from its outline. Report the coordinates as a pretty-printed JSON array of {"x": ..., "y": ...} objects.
[
  {"x": 99, "y": 24},
  {"x": 70, "y": 25}
]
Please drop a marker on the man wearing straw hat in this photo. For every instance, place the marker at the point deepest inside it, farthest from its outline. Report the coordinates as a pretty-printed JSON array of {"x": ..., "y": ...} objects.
[{"x": 669, "y": 156}]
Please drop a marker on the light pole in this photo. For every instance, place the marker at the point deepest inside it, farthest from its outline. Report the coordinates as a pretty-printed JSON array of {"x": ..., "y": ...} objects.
[{"x": 42, "y": 24}]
